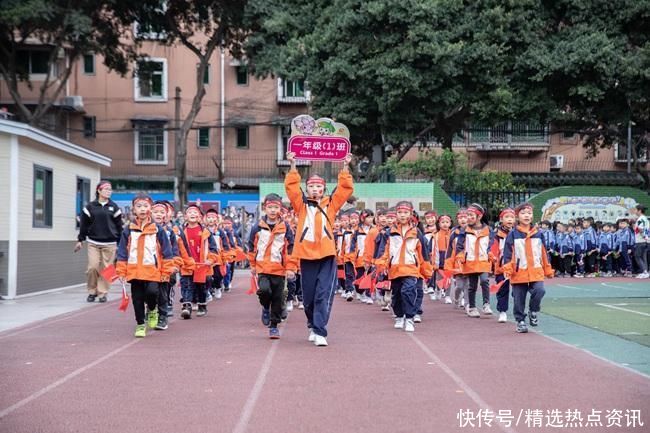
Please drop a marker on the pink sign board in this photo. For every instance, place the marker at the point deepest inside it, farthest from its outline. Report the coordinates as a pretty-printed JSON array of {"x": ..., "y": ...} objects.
[{"x": 319, "y": 148}]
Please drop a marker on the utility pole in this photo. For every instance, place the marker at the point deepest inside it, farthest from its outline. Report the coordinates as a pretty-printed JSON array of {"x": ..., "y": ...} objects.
[{"x": 180, "y": 170}]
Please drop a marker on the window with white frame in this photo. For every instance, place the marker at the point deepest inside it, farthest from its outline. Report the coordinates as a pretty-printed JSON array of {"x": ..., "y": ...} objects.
[
  {"x": 150, "y": 144},
  {"x": 294, "y": 89},
  {"x": 151, "y": 80},
  {"x": 32, "y": 61}
]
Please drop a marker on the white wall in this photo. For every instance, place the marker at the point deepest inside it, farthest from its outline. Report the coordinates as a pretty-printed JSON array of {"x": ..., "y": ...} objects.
[
  {"x": 4, "y": 185},
  {"x": 65, "y": 169}
]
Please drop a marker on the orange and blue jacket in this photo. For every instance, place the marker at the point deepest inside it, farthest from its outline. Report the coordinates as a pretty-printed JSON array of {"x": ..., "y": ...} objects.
[
  {"x": 207, "y": 251},
  {"x": 473, "y": 249},
  {"x": 524, "y": 256},
  {"x": 450, "y": 263},
  {"x": 496, "y": 251},
  {"x": 144, "y": 253},
  {"x": 358, "y": 247},
  {"x": 432, "y": 244},
  {"x": 269, "y": 249},
  {"x": 404, "y": 253},
  {"x": 315, "y": 233},
  {"x": 442, "y": 241},
  {"x": 370, "y": 247},
  {"x": 342, "y": 238}
]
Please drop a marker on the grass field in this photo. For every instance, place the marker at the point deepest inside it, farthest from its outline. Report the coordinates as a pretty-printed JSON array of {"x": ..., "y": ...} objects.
[{"x": 628, "y": 318}]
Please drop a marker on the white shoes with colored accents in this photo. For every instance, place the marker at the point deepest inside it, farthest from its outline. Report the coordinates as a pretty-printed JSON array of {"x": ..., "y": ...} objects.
[
  {"x": 487, "y": 309},
  {"x": 320, "y": 341},
  {"x": 399, "y": 323},
  {"x": 409, "y": 326},
  {"x": 312, "y": 336},
  {"x": 503, "y": 317}
]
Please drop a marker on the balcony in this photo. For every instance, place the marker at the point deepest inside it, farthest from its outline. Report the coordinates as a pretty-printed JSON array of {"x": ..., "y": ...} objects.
[
  {"x": 507, "y": 137},
  {"x": 292, "y": 92}
]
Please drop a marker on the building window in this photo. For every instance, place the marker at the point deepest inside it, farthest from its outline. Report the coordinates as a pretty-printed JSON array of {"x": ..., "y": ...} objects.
[
  {"x": 151, "y": 80},
  {"x": 89, "y": 64},
  {"x": 294, "y": 89},
  {"x": 42, "y": 199},
  {"x": 83, "y": 195},
  {"x": 242, "y": 138},
  {"x": 32, "y": 61},
  {"x": 242, "y": 75},
  {"x": 568, "y": 135},
  {"x": 151, "y": 145},
  {"x": 90, "y": 126},
  {"x": 204, "y": 138},
  {"x": 206, "y": 74},
  {"x": 285, "y": 133}
]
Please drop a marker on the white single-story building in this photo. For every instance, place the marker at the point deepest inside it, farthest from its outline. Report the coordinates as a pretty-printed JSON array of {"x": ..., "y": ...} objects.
[{"x": 44, "y": 182}]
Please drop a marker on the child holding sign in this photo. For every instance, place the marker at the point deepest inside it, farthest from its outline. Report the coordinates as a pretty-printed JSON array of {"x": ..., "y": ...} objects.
[{"x": 314, "y": 244}]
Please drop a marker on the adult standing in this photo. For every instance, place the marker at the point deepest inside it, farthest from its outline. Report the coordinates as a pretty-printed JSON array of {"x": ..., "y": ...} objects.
[
  {"x": 641, "y": 238},
  {"x": 100, "y": 227}
]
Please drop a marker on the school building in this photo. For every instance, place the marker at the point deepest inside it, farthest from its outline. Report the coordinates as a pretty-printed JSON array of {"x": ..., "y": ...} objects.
[{"x": 45, "y": 181}]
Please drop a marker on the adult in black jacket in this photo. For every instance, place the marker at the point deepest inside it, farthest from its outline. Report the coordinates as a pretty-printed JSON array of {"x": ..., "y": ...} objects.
[{"x": 100, "y": 227}]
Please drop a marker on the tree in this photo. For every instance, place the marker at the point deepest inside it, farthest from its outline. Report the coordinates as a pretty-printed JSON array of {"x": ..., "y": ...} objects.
[
  {"x": 204, "y": 27},
  {"x": 56, "y": 27},
  {"x": 401, "y": 71}
]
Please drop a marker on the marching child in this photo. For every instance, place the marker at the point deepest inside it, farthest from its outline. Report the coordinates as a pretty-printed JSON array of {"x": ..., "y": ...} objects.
[
  {"x": 580, "y": 247},
  {"x": 591, "y": 247},
  {"x": 358, "y": 248},
  {"x": 625, "y": 246},
  {"x": 382, "y": 233},
  {"x": 525, "y": 265},
  {"x": 200, "y": 245},
  {"x": 459, "y": 285},
  {"x": 144, "y": 259},
  {"x": 472, "y": 254},
  {"x": 506, "y": 223},
  {"x": 606, "y": 249},
  {"x": 405, "y": 256},
  {"x": 442, "y": 242},
  {"x": 314, "y": 244},
  {"x": 270, "y": 245},
  {"x": 430, "y": 230}
]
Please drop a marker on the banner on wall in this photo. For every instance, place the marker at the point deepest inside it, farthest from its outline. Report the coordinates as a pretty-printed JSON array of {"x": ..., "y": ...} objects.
[{"x": 605, "y": 209}]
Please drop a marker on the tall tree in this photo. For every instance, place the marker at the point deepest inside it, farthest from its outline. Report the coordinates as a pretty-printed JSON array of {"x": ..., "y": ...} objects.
[
  {"x": 52, "y": 35},
  {"x": 405, "y": 71},
  {"x": 204, "y": 27}
]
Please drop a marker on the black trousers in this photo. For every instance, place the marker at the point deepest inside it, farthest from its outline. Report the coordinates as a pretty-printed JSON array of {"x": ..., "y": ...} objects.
[
  {"x": 164, "y": 291},
  {"x": 271, "y": 295},
  {"x": 143, "y": 292}
]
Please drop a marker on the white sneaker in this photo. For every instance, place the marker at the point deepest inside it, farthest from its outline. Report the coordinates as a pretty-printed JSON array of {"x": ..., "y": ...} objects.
[
  {"x": 447, "y": 299},
  {"x": 301, "y": 306},
  {"x": 312, "y": 336},
  {"x": 417, "y": 318},
  {"x": 349, "y": 296},
  {"x": 433, "y": 296},
  {"x": 428, "y": 290},
  {"x": 473, "y": 312},
  {"x": 369, "y": 300},
  {"x": 289, "y": 306},
  {"x": 487, "y": 309},
  {"x": 462, "y": 302},
  {"x": 320, "y": 341},
  {"x": 399, "y": 323},
  {"x": 208, "y": 298},
  {"x": 358, "y": 296},
  {"x": 409, "y": 326},
  {"x": 503, "y": 317},
  {"x": 344, "y": 294},
  {"x": 385, "y": 308},
  {"x": 218, "y": 294},
  {"x": 229, "y": 286},
  {"x": 643, "y": 275}
]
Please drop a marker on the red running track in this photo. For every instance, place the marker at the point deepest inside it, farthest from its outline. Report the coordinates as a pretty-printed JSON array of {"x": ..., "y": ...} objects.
[{"x": 220, "y": 373}]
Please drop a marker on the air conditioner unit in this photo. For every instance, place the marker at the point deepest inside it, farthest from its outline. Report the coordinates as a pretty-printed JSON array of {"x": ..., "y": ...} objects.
[
  {"x": 557, "y": 162},
  {"x": 75, "y": 102}
]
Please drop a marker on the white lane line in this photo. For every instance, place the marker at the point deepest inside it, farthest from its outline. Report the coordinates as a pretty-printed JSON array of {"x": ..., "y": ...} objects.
[
  {"x": 63, "y": 380},
  {"x": 624, "y": 309},
  {"x": 460, "y": 382},
  {"x": 625, "y": 288},
  {"x": 47, "y": 322},
  {"x": 247, "y": 411},
  {"x": 577, "y": 288}
]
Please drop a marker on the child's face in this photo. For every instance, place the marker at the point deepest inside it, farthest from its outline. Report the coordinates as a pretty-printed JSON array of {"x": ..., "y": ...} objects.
[
  {"x": 605, "y": 229},
  {"x": 404, "y": 216},
  {"x": 445, "y": 224},
  {"x": 544, "y": 226},
  {"x": 578, "y": 229},
  {"x": 390, "y": 220},
  {"x": 585, "y": 224},
  {"x": 508, "y": 220},
  {"x": 462, "y": 220},
  {"x": 354, "y": 221},
  {"x": 192, "y": 216},
  {"x": 570, "y": 229},
  {"x": 315, "y": 191},
  {"x": 369, "y": 220},
  {"x": 337, "y": 224},
  {"x": 561, "y": 228},
  {"x": 381, "y": 219},
  {"x": 430, "y": 220},
  {"x": 623, "y": 224},
  {"x": 471, "y": 218},
  {"x": 211, "y": 219},
  {"x": 526, "y": 216},
  {"x": 272, "y": 211},
  {"x": 142, "y": 209},
  {"x": 345, "y": 222},
  {"x": 158, "y": 214}
]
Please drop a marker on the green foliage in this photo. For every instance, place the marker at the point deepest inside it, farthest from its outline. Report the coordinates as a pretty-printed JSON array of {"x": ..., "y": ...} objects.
[{"x": 452, "y": 171}]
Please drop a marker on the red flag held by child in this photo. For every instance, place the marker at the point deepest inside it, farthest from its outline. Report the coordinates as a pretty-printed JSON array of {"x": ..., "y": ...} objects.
[
  {"x": 241, "y": 256},
  {"x": 109, "y": 273},
  {"x": 495, "y": 287},
  {"x": 383, "y": 285},
  {"x": 223, "y": 270},
  {"x": 444, "y": 283},
  {"x": 124, "y": 304},
  {"x": 340, "y": 274},
  {"x": 365, "y": 282},
  {"x": 253, "y": 288}
]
